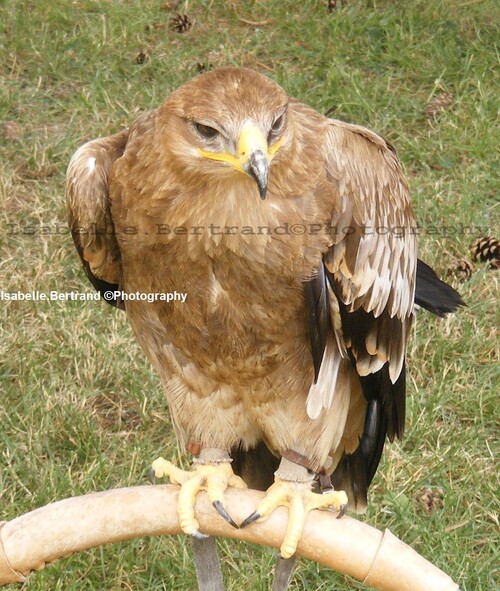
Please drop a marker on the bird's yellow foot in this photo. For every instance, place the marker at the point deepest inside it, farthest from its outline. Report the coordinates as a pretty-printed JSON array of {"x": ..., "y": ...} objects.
[
  {"x": 212, "y": 473},
  {"x": 293, "y": 490}
]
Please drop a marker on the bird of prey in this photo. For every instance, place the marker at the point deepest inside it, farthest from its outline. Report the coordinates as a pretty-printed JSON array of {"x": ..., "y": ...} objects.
[{"x": 293, "y": 238}]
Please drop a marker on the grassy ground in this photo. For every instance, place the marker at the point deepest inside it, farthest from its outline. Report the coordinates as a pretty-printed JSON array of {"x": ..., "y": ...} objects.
[{"x": 81, "y": 410}]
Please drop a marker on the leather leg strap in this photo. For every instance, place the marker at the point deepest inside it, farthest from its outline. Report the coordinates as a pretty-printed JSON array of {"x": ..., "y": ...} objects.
[{"x": 325, "y": 482}]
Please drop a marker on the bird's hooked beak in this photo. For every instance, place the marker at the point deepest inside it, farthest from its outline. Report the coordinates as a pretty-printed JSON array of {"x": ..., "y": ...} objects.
[{"x": 253, "y": 156}]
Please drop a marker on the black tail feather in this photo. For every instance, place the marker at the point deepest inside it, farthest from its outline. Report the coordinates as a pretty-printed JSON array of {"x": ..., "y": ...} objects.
[{"x": 435, "y": 295}]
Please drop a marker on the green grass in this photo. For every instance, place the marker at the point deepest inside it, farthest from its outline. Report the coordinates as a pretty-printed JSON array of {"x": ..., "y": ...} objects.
[{"x": 81, "y": 410}]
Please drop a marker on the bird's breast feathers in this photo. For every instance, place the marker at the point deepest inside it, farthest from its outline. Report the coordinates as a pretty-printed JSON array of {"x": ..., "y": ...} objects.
[{"x": 238, "y": 314}]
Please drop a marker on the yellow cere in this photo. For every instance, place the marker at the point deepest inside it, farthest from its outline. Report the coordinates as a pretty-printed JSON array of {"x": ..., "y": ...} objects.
[
  {"x": 250, "y": 140},
  {"x": 274, "y": 148},
  {"x": 222, "y": 157}
]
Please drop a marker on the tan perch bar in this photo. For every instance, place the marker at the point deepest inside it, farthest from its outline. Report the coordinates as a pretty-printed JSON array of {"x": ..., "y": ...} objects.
[{"x": 349, "y": 546}]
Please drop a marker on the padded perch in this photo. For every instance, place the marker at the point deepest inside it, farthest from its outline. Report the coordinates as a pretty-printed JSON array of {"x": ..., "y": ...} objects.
[{"x": 59, "y": 529}]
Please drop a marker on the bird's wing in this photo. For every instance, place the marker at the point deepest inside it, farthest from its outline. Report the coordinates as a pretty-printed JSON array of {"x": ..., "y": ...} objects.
[
  {"x": 372, "y": 263},
  {"x": 365, "y": 293},
  {"x": 89, "y": 212}
]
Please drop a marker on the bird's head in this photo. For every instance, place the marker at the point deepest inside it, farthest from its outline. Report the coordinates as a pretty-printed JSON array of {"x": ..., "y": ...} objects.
[{"x": 230, "y": 120}]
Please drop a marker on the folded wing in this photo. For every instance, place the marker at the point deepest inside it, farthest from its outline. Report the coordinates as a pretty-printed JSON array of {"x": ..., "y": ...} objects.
[{"x": 89, "y": 211}]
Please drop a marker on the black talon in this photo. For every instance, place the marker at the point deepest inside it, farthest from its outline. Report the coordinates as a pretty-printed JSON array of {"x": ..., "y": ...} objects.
[
  {"x": 250, "y": 519},
  {"x": 343, "y": 511},
  {"x": 152, "y": 475},
  {"x": 197, "y": 535},
  {"x": 219, "y": 507}
]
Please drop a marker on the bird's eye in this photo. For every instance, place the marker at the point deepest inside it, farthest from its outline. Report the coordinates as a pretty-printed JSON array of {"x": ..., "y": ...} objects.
[
  {"x": 276, "y": 128},
  {"x": 206, "y": 131},
  {"x": 278, "y": 123}
]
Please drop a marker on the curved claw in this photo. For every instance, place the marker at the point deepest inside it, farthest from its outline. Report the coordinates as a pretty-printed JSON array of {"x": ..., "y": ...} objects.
[
  {"x": 152, "y": 475},
  {"x": 211, "y": 475},
  {"x": 300, "y": 500},
  {"x": 343, "y": 511},
  {"x": 219, "y": 507},
  {"x": 250, "y": 519}
]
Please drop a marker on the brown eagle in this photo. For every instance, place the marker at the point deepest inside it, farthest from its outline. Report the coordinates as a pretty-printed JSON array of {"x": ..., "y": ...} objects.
[{"x": 293, "y": 243}]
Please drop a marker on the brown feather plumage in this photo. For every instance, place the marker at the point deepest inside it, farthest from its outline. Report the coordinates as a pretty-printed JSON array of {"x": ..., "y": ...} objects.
[{"x": 235, "y": 358}]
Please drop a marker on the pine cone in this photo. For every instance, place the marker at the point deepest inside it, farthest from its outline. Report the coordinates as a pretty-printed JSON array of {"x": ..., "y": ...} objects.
[
  {"x": 181, "y": 23},
  {"x": 487, "y": 249},
  {"x": 461, "y": 269},
  {"x": 431, "y": 498},
  {"x": 141, "y": 57},
  {"x": 437, "y": 105},
  {"x": 203, "y": 66}
]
